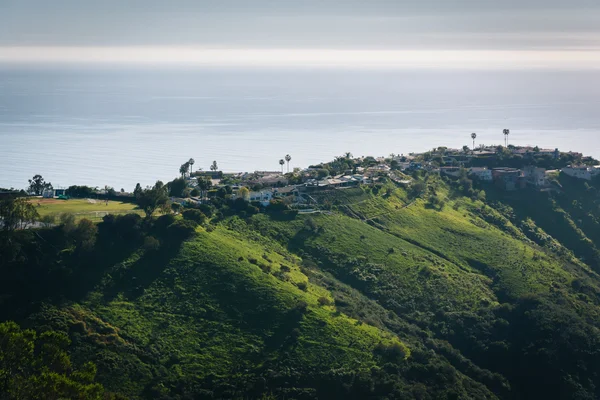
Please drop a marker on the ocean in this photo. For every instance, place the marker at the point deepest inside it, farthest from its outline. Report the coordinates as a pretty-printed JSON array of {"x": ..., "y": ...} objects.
[{"x": 118, "y": 127}]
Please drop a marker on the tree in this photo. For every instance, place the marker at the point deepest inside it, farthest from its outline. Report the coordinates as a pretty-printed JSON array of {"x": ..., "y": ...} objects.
[
  {"x": 194, "y": 215},
  {"x": 214, "y": 166},
  {"x": 466, "y": 149},
  {"x": 204, "y": 184},
  {"x": 506, "y": 133},
  {"x": 153, "y": 198},
  {"x": 244, "y": 193},
  {"x": 191, "y": 163},
  {"x": 36, "y": 366},
  {"x": 473, "y": 136},
  {"x": 37, "y": 185},
  {"x": 85, "y": 234},
  {"x": 348, "y": 155},
  {"x": 16, "y": 213},
  {"x": 281, "y": 162},
  {"x": 176, "y": 187},
  {"x": 137, "y": 191},
  {"x": 184, "y": 168},
  {"x": 288, "y": 158}
]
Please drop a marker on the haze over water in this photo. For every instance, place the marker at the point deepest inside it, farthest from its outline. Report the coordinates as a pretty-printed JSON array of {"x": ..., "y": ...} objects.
[{"x": 119, "y": 127}]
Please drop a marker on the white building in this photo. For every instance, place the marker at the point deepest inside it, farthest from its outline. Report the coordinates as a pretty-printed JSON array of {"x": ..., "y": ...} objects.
[
  {"x": 581, "y": 172},
  {"x": 481, "y": 174},
  {"x": 264, "y": 197}
]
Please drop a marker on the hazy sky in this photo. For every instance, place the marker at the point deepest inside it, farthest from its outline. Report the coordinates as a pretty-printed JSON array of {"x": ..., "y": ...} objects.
[{"x": 325, "y": 32}]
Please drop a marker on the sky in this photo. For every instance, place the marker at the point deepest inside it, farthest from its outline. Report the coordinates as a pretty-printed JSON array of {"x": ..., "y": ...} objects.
[{"x": 388, "y": 33}]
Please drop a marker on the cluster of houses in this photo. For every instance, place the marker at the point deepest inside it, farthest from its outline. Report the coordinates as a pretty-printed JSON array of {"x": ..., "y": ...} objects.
[
  {"x": 512, "y": 178},
  {"x": 275, "y": 185}
]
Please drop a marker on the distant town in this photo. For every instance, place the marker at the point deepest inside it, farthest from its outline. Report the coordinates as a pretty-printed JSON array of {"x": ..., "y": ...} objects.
[{"x": 508, "y": 167}]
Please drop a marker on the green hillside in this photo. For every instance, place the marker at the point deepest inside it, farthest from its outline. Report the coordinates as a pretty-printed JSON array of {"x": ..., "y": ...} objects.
[{"x": 390, "y": 293}]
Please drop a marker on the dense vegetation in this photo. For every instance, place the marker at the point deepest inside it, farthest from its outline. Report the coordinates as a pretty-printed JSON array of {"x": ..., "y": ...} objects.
[{"x": 445, "y": 290}]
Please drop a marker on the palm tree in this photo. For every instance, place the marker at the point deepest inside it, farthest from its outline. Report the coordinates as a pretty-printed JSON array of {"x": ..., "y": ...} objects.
[
  {"x": 348, "y": 155},
  {"x": 281, "y": 162},
  {"x": 214, "y": 166},
  {"x": 506, "y": 133},
  {"x": 288, "y": 158},
  {"x": 473, "y": 136},
  {"x": 184, "y": 169},
  {"x": 191, "y": 162}
]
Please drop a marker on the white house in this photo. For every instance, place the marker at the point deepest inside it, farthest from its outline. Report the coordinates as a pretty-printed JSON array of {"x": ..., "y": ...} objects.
[
  {"x": 481, "y": 174},
  {"x": 264, "y": 197},
  {"x": 581, "y": 172}
]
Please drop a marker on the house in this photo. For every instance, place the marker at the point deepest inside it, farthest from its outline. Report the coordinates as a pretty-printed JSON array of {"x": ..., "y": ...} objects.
[
  {"x": 264, "y": 197},
  {"x": 508, "y": 178},
  {"x": 285, "y": 191},
  {"x": 450, "y": 171},
  {"x": 535, "y": 176},
  {"x": 48, "y": 193},
  {"x": 379, "y": 168},
  {"x": 482, "y": 174},
  {"x": 581, "y": 172}
]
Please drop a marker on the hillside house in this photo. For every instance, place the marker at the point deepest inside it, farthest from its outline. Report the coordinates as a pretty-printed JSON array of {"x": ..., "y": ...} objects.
[
  {"x": 535, "y": 176},
  {"x": 482, "y": 174},
  {"x": 450, "y": 171},
  {"x": 581, "y": 171},
  {"x": 508, "y": 178},
  {"x": 263, "y": 197}
]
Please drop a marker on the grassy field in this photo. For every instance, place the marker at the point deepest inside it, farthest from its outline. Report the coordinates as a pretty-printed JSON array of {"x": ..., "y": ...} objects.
[{"x": 84, "y": 208}]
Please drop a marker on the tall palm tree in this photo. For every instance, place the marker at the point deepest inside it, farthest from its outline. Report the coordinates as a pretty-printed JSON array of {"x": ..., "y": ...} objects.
[
  {"x": 288, "y": 158},
  {"x": 506, "y": 133},
  {"x": 214, "y": 166},
  {"x": 184, "y": 169},
  {"x": 281, "y": 162},
  {"x": 191, "y": 162},
  {"x": 473, "y": 136}
]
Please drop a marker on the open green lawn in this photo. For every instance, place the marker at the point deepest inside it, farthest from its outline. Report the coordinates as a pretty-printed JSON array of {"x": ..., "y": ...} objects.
[{"x": 84, "y": 208}]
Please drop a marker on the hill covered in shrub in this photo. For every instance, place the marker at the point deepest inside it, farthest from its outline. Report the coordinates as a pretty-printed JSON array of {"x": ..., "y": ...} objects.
[{"x": 445, "y": 292}]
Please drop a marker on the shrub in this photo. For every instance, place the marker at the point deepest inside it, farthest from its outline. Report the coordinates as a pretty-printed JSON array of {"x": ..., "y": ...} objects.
[
  {"x": 265, "y": 268},
  {"x": 277, "y": 206},
  {"x": 324, "y": 301},
  {"x": 67, "y": 221},
  {"x": 302, "y": 286},
  {"x": 182, "y": 229},
  {"x": 85, "y": 234},
  {"x": 285, "y": 268},
  {"x": 206, "y": 209},
  {"x": 392, "y": 352},
  {"x": 283, "y": 276},
  {"x": 194, "y": 215},
  {"x": 48, "y": 220},
  {"x": 151, "y": 243},
  {"x": 164, "y": 221}
]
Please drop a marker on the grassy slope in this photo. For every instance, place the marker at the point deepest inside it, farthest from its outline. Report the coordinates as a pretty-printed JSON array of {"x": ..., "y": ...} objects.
[
  {"x": 447, "y": 271},
  {"x": 212, "y": 311},
  {"x": 228, "y": 301},
  {"x": 83, "y": 208}
]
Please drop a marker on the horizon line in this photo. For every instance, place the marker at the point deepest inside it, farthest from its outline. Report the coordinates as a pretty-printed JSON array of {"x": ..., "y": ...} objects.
[{"x": 194, "y": 56}]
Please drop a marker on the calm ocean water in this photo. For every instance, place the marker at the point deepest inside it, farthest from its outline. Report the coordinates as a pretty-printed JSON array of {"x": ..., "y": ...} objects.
[{"x": 119, "y": 127}]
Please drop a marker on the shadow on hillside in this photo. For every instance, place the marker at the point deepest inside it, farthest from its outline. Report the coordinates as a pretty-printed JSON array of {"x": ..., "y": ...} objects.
[
  {"x": 132, "y": 281},
  {"x": 298, "y": 241},
  {"x": 288, "y": 215}
]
